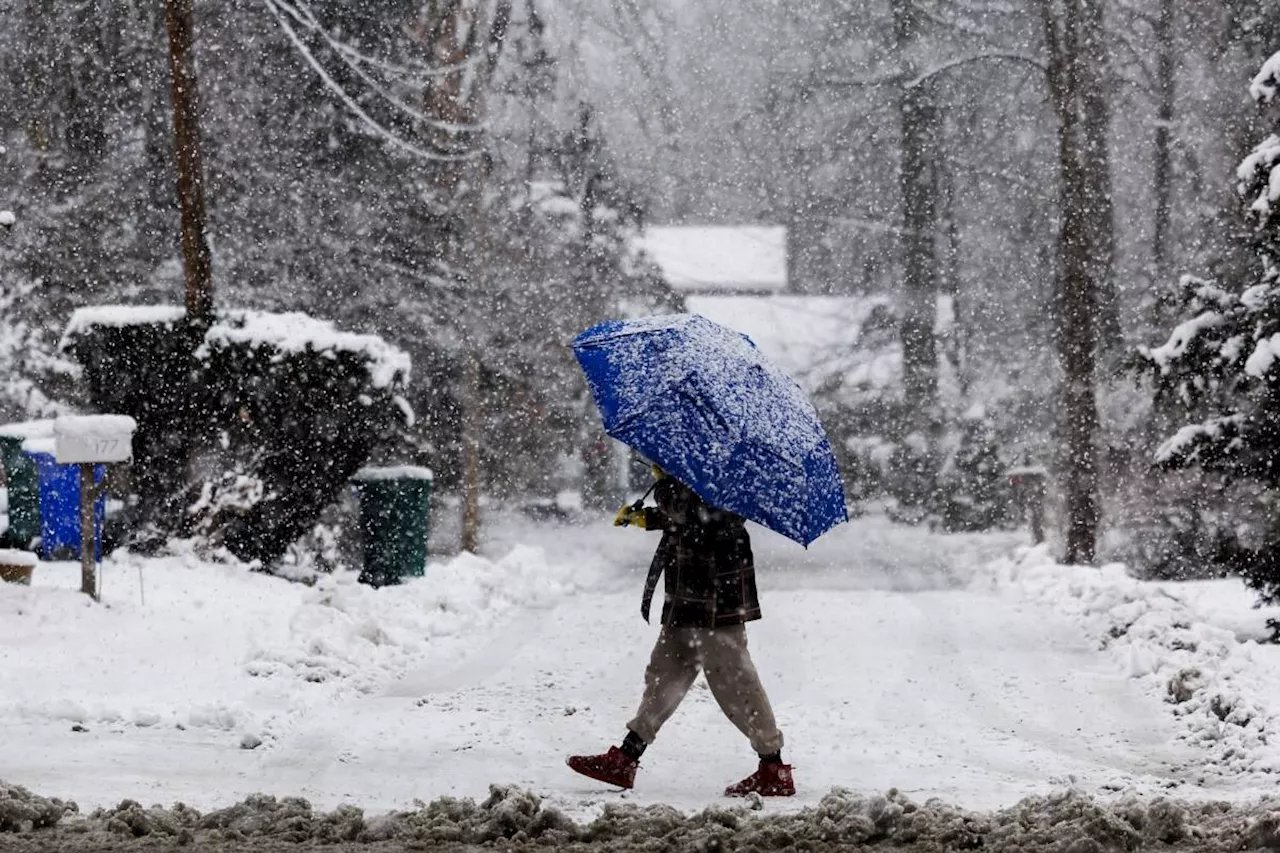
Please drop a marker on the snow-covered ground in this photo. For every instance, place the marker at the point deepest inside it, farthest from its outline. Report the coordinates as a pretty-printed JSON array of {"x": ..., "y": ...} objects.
[{"x": 939, "y": 665}]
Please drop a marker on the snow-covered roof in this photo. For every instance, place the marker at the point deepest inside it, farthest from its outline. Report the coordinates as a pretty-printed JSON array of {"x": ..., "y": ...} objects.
[
  {"x": 812, "y": 338},
  {"x": 719, "y": 258}
]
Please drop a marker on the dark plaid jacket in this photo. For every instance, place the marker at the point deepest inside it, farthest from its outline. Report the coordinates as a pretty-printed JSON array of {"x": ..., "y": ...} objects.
[{"x": 705, "y": 554}]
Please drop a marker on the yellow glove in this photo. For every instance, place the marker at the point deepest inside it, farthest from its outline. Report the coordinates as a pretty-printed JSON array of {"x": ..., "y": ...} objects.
[{"x": 630, "y": 516}]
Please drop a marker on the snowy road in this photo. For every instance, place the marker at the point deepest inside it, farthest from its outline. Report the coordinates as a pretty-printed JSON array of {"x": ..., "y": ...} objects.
[
  {"x": 874, "y": 690},
  {"x": 884, "y": 669}
]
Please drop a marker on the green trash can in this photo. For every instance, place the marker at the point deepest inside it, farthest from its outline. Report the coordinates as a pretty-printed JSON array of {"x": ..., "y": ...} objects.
[
  {"x": 394, "y": 511},
  {"x": 21, "y": 480}
]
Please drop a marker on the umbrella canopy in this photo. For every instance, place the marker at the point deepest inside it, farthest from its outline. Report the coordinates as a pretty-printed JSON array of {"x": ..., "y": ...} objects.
[{"x": 703, "y": 403}]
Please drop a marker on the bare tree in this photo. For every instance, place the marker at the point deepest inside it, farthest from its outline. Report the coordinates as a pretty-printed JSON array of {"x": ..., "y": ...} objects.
[
  {"x": 463, "y": 40},
  {"x": 917, "y": 116},
  {"x": 1077, "y": 73},
  {"x": 1166, "y": 91}
]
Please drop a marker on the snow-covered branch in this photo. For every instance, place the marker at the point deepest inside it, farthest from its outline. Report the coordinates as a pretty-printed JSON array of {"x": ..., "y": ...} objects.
[
  {"x": 417, "y": 74},
  {"x": 1259, "y": 177},
  {"x": 282, "y": 17},
  {"x": 959, "y": 62},
  {"x": 1136, "y": 11},
  {"x": 1267, "y": 83}
]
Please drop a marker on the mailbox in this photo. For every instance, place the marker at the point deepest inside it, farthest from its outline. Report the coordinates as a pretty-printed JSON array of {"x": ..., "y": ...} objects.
[{"x": 91, "y": 439}]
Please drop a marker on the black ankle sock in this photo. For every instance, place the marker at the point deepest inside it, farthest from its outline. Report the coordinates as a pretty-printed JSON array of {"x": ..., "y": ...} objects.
[
  {"x": 633, "y": 746},
  {"x": 771, "y": 758}
]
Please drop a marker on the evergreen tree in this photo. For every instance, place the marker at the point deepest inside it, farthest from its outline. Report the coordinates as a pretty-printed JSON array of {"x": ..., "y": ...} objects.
[{"x": 1218, "y": 370}]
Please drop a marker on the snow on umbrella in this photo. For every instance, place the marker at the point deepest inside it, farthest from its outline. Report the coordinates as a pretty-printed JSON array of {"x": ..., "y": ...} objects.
[{"x": 703, "y": 403}]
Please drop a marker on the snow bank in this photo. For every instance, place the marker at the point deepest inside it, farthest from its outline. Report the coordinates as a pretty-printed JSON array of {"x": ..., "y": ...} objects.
[
  {"x": 364, "y": 638},
  {"x": 23, "y": 811},
  {"x": 511, "y": 818},
  {"x": 1220, "y": 683},
  {"x": 185, "y": 643},
  {"x": 295, "y": 332}
]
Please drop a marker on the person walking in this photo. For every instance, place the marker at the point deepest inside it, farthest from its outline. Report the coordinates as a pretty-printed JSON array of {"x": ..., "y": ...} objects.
[{"x": 705, "y": 556}]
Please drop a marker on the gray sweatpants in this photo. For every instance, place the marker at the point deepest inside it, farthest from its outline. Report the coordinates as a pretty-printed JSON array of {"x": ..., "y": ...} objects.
[{"x": 721, "y": 653}]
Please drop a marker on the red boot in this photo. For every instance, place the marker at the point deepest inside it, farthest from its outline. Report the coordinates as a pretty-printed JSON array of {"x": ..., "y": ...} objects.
[
  {"x": 771, "y": 780},
  {"x": 615, "y": 767}
]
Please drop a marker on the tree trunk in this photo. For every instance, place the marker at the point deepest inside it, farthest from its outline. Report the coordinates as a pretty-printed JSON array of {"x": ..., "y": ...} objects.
[
  {"x": 197, "y": 261},
  {"x": 1166, "y": 90},
  {"x": 918, "y": 183},
  {"x": 471, "y": 425},
  {"x": 454, "y": 104},
  {"x": 1073, "y": 34}
]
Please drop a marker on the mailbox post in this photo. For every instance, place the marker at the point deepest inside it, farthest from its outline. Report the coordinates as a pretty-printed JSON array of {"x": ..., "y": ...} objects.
[
  {"x": 89, "y": 441},
  {"x": 1029, "y": 484}
]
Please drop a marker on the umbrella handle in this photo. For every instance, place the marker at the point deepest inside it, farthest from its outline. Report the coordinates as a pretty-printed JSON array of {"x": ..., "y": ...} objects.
[{"x": 640, "y": 503}]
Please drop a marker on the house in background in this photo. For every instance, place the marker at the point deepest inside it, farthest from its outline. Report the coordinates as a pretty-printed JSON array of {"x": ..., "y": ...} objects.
[
  {"x": 721, "y": 260},
  {"x": 737, "y": 275}
]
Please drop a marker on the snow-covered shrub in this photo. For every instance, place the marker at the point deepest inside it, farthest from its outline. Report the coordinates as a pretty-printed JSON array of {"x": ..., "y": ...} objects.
[
  {"x": 1217, "y": 379},
  {"x": 973, "y": 491},
  {"x": 246, "y": 430}
]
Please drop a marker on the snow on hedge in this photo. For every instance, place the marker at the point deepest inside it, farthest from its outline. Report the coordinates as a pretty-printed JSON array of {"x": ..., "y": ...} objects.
[
  {"x": 117, "y": 316},
  {"x": 291, "y": 332},
  {"x": 295, "y": 332},
  {"x": 1198, "y": 646}
]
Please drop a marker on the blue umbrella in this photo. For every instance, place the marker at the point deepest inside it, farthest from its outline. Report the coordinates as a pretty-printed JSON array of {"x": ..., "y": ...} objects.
[{"x": 703, "y": 403}]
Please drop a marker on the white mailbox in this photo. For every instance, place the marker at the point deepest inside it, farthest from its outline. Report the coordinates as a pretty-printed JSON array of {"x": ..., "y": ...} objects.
[{"x": 90, "y": 439}]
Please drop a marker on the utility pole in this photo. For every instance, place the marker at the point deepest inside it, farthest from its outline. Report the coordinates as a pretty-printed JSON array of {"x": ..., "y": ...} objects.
[{"x": 196, "y": 259}]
